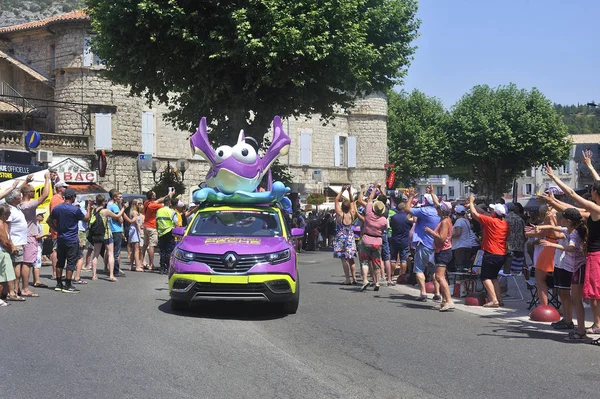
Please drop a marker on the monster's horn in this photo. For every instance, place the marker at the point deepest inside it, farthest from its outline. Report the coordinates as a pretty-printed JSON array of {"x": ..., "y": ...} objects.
[
  {"x": 241, "y": 137},
  {"x": 202, "y": 125}
]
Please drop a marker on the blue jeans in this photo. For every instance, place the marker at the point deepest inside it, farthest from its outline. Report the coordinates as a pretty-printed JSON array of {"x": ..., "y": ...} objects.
[{"x": 117, "y": 240}]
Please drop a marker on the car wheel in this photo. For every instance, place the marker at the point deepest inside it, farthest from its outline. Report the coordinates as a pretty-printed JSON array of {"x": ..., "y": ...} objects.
[
  {"x": 291, "y": 307},
  {"x": 179, "y": 305}
]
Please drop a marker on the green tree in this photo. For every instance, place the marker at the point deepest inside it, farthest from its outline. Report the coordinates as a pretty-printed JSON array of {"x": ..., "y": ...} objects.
[
  {"x": 416, "y": 134},
  {"x": 497, "y": 133},
  {"x": 224, "y": 59}
]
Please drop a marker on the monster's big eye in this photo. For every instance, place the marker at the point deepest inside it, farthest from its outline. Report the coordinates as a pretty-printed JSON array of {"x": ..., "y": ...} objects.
[
  {"x": 244, "y": 152},
  {"x": 222, "y": 153}
]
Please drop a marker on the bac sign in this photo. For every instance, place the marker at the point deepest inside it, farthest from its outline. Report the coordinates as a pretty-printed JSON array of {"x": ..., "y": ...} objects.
[{"x": 78, "y": 177}]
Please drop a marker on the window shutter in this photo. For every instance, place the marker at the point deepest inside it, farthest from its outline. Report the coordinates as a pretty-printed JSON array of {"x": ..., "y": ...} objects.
[
  {"x": 336, "y": 151},
  {"x": 305, "y": 148},
  {"x": 87, "y": 52},
  {"x": 103, "y": 131},
  {"x": 148, "y": 133},
  {"x": 351, "y": 140}
]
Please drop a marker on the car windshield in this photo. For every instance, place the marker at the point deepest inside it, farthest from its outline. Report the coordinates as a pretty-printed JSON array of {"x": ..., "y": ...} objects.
[{"x": 236, "y": 223}]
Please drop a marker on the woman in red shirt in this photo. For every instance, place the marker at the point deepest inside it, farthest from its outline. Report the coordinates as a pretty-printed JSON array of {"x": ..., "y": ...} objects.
[{"x": 493, "y": 243}]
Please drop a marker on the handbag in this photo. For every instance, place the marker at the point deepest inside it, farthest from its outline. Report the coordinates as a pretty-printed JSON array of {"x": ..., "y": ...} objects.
[
  {"x": 47, "y": 247},
  {"x": 478, "y": 258}
]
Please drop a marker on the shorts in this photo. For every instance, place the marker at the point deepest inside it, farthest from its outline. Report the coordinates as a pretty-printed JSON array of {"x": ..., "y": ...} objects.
[
  {"x": 423, "y": 258},
  {"x": 108, "y": 240},
  {"x": 150, "y": 237},
  {"x": 385, "y": 248},
  {"x": 371, "y": 253},
  {"x": 491, "y": 265},
  {"x": 7, "y": 271},
  {"x": 30, "y": 250},
  {"x": 67, "y": 256},
  {"x": 562, "y": 278},
  {"x": 578, "y": 275},
  {"x": 17, "y": 257},
  {"x": 443, "y": 258},
  {"x": 398, "y": 249}
]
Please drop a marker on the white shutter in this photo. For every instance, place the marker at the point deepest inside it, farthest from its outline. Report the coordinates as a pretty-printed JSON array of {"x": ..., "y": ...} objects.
[
  {"x": 351, "y": 140},
  {"x": 87, "y": 52},
  {"x": 148, "y": 133},
  {"x": 524, "y": 189},
  {"x": 103, "y": 131},
  {"x": 336, "y": 151},
  {"x": 305, "y": 148}
]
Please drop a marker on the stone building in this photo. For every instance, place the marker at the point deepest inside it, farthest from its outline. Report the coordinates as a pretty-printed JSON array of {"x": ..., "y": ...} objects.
[{"x": 51, "y": 82}]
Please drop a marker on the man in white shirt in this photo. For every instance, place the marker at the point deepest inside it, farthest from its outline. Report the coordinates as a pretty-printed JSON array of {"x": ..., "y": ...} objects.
[{"x": 18, "y": 234}]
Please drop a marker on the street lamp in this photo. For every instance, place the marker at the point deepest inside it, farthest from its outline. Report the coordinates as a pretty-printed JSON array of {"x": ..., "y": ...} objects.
[{"x": 181, "y": 167}]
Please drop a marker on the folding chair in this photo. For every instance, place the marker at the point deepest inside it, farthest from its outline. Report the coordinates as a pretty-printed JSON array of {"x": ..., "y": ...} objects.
[
  {"x": 514, "y": 276},
  {"x": 553, "y": 298}
]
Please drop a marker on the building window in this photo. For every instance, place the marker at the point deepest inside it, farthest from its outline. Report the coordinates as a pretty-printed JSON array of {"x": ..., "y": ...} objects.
[
  {"x": 148, "y": 136},
  {"x": 527, "y": 189},
  {"x": 467, "y": 189},
  {"x": 529, "y": 172},
  {"x": 565, "y": 169},
  {"x": 305, "y": 148},
  {"x": 344, "y": 151},
  {"x": 451, "y": 191},
  {"x": 439, "y": 191},
  {"x": 89, "y": 58},
  {"x": 103, "y": 131}
]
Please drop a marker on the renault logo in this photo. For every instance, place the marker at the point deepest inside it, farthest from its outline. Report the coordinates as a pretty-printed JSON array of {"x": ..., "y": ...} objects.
[{"x": 230, "y": 260}]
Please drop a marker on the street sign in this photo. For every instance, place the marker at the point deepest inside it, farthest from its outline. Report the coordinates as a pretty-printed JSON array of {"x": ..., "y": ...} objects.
[
  {"x": 32, "y": 139},
  {"x": 145, "y": 161}
]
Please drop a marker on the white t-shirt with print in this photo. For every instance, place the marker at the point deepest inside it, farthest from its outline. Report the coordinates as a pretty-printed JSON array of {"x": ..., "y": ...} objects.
[
  {"x": 18, "y": 226},
  {"x": 464, "y": 239}
]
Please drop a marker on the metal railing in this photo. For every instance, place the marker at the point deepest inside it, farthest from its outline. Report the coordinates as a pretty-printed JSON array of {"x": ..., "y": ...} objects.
[{"x": 10, "y": 95}]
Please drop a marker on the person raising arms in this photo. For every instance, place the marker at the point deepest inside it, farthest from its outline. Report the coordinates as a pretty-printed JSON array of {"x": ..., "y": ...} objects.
[
  {"x": 493, "y": 244},
  {"x": 344, "y": 247},
  {"x": 591, "y": 282}
]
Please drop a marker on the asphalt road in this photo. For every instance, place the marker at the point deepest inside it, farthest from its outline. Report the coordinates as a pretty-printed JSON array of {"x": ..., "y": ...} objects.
[{"x": 120, "y": 340}]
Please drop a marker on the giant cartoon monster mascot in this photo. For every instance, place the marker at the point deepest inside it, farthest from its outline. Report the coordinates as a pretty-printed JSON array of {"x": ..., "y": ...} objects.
[{"x": 236, "y": 171}]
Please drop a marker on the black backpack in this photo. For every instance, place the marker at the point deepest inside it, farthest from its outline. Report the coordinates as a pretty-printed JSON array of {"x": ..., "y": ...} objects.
[{"x": 96, "y": 227}]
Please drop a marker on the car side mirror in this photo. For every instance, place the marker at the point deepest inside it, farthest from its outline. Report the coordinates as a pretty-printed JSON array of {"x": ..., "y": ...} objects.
[
  {"x": 297, "y": 232},
  {"x": 178, "y": 231}
]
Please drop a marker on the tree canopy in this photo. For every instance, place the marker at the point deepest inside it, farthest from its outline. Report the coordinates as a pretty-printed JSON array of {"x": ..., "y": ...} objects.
[
  {"x": 497, "y": 133},
  {"x": 580, "y": 119},
  {"x": 272, "y": 57},
  {"x": 416, "y": 134}
]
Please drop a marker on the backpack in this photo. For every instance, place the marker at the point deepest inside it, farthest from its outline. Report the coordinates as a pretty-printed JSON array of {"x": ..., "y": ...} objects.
[{"x": 96, "y": 227}]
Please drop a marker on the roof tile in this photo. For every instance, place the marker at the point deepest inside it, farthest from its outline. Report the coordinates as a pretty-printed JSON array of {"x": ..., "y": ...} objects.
[{"x": 71, "y": 16}]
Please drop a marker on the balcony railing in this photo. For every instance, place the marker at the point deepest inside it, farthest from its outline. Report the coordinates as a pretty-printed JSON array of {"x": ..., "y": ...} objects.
[{"x": 60, "y": 143}]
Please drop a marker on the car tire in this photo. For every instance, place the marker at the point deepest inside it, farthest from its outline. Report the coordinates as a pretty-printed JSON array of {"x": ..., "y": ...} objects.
[
  {"x": 177, "y": 306},
  {"x": 291, "y": 306}
]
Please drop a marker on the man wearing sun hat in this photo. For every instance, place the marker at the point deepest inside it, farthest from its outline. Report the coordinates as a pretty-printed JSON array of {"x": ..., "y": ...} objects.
[{"x": 427, "y": 216}]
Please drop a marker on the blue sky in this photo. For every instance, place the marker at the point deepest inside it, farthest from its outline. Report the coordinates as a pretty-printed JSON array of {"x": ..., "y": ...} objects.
[{"x": 548, "y": 44}]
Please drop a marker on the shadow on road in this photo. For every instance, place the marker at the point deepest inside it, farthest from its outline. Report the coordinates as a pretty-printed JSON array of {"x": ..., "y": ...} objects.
[
  {"x": 517, "y": 331},
  {"x": 227, "y": 311}
]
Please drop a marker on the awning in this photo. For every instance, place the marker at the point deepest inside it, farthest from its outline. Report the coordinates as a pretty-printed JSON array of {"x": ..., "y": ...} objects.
[
  {"x": 87, "y": 188},
  {"x": 337, "y": 188},
  {"x": 27, "y": 69}
]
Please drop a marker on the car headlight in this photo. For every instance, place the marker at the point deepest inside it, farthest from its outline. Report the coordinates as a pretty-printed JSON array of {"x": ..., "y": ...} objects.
[
  {"x": 278, "y": 257},
  {"x": 183, "y": 256}
]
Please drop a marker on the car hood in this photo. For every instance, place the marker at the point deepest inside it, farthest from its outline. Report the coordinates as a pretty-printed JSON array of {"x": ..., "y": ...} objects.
[{"x": 240, "y": 245}]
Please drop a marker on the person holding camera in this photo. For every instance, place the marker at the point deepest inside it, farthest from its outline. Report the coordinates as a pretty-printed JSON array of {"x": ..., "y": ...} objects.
[{"x": 344, "y": 247}]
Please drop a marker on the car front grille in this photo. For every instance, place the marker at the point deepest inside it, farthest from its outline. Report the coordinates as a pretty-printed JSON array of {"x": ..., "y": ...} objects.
[{"x": 243, "y": 264}]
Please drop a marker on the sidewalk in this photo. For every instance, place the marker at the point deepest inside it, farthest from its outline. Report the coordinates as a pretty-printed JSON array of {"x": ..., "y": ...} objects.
[{"x": 513, "y": 311}]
